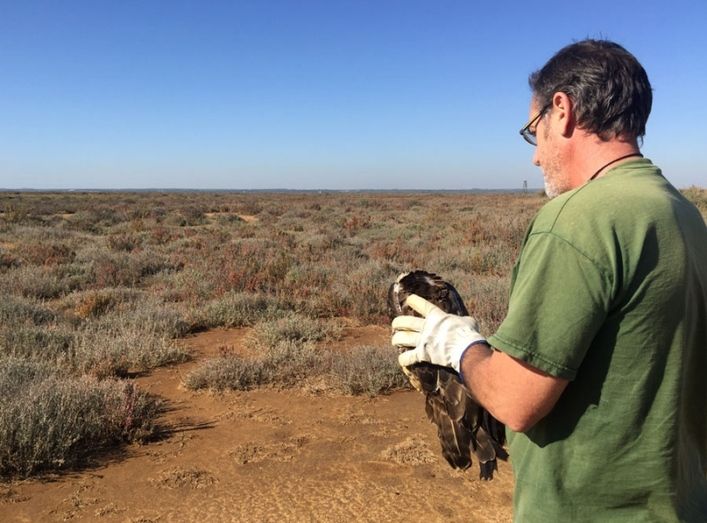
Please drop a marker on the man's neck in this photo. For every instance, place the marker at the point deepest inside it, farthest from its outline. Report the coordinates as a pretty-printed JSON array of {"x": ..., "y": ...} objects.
[{"x": 592, "y": 158}]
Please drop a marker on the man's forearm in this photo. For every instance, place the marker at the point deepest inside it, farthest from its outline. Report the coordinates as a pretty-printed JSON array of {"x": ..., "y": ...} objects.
[{"x": 513, "y": 392}]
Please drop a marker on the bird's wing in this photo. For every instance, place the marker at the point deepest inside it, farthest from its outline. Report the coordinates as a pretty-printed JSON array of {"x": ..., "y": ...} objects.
[
  {"x": 446, "y": 407},
  {"x": 463, "y": 426}
]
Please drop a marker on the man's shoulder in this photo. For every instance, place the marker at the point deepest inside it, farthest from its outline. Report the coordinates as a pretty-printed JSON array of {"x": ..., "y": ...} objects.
[
  {"x": 569, "y": 210},
  {"x": 628, "y": 192},
  {"x": 547, "y": 217}
]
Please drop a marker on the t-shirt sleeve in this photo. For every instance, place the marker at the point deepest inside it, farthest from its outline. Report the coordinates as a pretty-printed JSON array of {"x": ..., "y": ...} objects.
[{"x": 559, "y": 300}]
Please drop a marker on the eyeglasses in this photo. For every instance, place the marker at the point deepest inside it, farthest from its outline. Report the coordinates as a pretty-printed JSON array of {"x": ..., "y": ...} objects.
[{"x": 527, "y": 133}]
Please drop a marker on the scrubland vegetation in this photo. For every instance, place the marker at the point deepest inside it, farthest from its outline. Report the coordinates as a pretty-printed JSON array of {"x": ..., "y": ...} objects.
[{"x": 99, "y": 286}]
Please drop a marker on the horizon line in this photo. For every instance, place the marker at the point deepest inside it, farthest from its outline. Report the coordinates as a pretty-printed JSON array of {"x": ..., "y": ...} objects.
[{"x": 274, "y": 190}]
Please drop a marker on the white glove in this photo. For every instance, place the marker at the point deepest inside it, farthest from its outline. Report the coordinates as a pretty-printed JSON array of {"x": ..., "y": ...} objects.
[{"x": 437, "y": 337}]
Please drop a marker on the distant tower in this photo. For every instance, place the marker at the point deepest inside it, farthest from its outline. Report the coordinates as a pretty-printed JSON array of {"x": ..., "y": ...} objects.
[{"x": 525, "y": 185}]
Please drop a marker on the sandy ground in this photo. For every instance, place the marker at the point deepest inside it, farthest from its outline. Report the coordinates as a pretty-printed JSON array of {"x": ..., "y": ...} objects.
[
  {"x": 270, "y": 455},
  {"x": 249, "y": 218}
]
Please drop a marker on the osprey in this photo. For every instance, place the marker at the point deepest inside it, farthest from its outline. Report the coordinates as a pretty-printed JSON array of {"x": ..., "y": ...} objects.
[{"x": 464, "y": 427}]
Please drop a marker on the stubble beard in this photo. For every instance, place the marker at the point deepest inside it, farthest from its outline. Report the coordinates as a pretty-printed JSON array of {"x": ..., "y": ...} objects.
[
  {"x": 550, "y": 191},
  {"x": 556, "y": 182},
  {"x": 552, "y": 188}
]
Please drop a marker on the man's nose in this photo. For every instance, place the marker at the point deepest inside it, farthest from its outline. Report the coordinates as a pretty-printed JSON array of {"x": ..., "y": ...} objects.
[{"x": 536, "y": 160}]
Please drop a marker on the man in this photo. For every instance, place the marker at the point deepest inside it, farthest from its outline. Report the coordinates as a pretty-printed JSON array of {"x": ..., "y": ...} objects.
[{"x": 597, "y": 368}]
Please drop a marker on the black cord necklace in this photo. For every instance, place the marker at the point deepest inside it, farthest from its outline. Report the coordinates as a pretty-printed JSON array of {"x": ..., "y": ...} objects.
[{"x": 612, "y": 162}]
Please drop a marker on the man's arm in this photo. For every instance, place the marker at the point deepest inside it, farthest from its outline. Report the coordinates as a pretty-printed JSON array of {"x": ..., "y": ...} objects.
[{"x": 514, "y": 392}]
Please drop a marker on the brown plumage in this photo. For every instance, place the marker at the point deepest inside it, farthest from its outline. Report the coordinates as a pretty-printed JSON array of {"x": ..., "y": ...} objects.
[{"x": 464, "y": 427}]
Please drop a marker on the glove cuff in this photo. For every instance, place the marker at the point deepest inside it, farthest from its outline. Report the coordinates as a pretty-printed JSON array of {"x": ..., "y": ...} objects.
[{"x": 461, "y": 357}]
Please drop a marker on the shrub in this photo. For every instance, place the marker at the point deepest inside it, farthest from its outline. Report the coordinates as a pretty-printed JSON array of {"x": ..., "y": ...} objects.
[
  {"x": 16, "y": 213},
  {"x": 95, "y": 303},
  {"x": 698, "y": 196},
  {"x": 48, "y": 423},
  {"x": 226, "y": 372},
  {"x": 187, "y": 216},
  {"x": 95, "y": 219},
  {"x": 293, "y": 328},
  {"x": 364, "y": 370},
  {"x": 485, "y": 296},
  {"x": 74, "y": 276},
  {"x": 304, "y": 284},
  {"x": 35, "y": 282},
  {"x": 8, "y": 260},
  {"x": 228, "y": 219},
  {"x": 367, "y": 370},
  {"x": 136, "y": 340},
  {"x": 289, "y": 363},
  {"x": 364, "y": 289},
  {"x": 254, "y": 265},
  {"x": 193, "y": 284},
  {"x": 324, "y": 256},
  {"x": 285, "y": 363},
  {"x": 45, "y": 253},
  {"x": 111, "y": 345},
  {"x": 238, "y": 309},
  {"x": 148, "y": 316},
  {"x": 106, "y": 268},
  {"x": 116, "y": 269},
  {"x": 124, "y": 242},
  {"x": 17, "y": 373},
  {"x": 16, "y": 311},
  {"x": 36, "y": 342}
]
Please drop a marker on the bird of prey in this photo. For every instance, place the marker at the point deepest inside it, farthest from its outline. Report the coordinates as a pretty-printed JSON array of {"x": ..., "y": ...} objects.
[{"x": 464, "y": 427}]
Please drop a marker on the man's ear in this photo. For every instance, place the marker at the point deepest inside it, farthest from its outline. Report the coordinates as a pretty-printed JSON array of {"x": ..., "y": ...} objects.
[{"x": 562, "y": 112}]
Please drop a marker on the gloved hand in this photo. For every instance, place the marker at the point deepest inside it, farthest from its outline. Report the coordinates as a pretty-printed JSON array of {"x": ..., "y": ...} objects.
[{"x": 438, "y": 337}]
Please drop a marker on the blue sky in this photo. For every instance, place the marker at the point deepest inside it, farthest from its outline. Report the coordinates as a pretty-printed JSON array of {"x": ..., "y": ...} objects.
[{"x": 317, "y": 94}]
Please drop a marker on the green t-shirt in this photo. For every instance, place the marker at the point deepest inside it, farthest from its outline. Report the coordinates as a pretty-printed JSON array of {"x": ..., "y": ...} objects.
[{"x": 610, "y": 292}]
